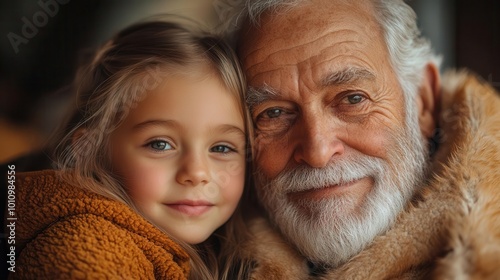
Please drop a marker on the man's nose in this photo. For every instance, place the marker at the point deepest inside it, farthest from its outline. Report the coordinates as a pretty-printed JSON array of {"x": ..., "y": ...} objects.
[
  {"x": 193, "y": 170},
  {"x": 318, "y": 143}
]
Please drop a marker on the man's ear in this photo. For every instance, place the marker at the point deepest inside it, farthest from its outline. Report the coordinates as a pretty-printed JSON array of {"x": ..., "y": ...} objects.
[{"x": 428, "y": 100}]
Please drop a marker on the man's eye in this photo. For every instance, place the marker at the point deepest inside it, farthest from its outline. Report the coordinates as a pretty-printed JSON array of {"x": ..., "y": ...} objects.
[
  {"x": 223, "y": 149},
  {"x": 355, "y": 98},
  {"x": 273, "y": 113},
  {"x": 273, "y": 121},
  {"x": 160, "y": 145}
]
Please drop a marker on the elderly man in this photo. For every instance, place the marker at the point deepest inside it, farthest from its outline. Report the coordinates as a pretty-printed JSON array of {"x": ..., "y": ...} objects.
[{"x": 345, "y": 96}]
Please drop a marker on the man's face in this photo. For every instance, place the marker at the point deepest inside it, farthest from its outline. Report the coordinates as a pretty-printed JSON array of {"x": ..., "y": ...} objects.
[{"x": 331, "y": 133}]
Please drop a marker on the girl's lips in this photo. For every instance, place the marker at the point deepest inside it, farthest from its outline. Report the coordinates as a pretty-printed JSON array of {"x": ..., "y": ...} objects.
[{"x": 191, "y": 208}]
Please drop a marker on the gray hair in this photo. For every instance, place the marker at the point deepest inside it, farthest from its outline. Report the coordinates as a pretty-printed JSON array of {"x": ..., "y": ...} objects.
[{"x": 408, "y": 50}]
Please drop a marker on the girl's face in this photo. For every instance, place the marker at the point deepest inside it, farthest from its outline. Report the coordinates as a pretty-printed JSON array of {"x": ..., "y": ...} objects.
[{"x": 180, "y": 153}]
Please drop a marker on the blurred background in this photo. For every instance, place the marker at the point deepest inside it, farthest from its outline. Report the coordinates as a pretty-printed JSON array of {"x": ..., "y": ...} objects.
[{"x": 43, "y": 41}]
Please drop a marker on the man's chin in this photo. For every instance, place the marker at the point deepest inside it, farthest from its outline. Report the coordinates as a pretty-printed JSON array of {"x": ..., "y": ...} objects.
[
  {"x": 320, "y": 229},
  {"x": 330, "y": 231},
  {"x": 344, "y": 199},
  {"x": 343, "y": 208}
]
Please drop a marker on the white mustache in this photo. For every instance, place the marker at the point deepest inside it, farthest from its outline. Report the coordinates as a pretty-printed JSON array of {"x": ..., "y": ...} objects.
[{"x": 338, "y": 172}]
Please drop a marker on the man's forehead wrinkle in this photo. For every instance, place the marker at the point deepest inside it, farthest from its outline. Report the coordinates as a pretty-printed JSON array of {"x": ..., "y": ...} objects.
[
  {"x": 309, "y": 61},
  {"x": 261, "y": 56},
  {"x": 315, "y": 63},
  {"x": 323, "y": 58},
  {"x": 252, "y": 54},
  {"x": 286, "y": 40}
]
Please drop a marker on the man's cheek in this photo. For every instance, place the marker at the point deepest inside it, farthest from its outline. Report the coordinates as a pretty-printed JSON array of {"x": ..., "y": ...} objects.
[{"x": 271, "y": 163}]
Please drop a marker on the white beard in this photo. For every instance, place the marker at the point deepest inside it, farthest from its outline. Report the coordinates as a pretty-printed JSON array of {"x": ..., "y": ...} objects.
[{"x": 330, "y": 231}]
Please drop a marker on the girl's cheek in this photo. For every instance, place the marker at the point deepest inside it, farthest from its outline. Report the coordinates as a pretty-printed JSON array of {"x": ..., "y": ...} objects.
[
  {"x": 228, "y": 171},
  {"x": 237, "y": 186}
]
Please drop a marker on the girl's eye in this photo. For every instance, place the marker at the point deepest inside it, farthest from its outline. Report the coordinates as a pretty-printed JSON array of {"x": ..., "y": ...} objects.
[
  {"x": 223, "y": 149},
  {"x": 160, "y": 145},
  {"x": 355, "y": 98}
]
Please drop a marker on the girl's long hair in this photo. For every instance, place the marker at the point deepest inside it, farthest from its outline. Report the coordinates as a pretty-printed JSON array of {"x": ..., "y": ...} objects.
[{"x": 120, "y": 74}]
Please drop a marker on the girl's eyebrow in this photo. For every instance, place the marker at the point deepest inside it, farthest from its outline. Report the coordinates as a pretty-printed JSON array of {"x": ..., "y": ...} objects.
[
  {"x": 220, "y": 129},
  {"x": 157, "y": 122},
  {"x": 228, "y": 128}
]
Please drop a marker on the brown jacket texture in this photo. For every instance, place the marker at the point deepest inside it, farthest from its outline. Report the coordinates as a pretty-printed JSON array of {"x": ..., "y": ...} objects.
[
  {"x": 449, "y": 230},
  {"x": 65, "y": 232}
]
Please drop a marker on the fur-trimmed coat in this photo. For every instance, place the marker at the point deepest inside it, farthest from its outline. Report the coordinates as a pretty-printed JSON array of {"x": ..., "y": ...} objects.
[
  {"x": 450, "y": 230},
  {"x": 65, "y": 232}
]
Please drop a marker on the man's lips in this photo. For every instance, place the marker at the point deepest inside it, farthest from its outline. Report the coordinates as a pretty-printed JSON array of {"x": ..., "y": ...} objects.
[
  {"x": 191, "y": 207},
  {"x": 324, "y": 192}
]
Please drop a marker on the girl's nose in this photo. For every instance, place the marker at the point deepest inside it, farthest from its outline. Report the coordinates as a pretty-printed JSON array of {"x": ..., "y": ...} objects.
[{"x": 193, "y": 171}]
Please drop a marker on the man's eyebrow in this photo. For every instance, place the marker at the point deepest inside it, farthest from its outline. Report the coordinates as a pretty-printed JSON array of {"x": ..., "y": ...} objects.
[
  {"x": 345, "y": 76},
  {"x": 258, "y": 95}
]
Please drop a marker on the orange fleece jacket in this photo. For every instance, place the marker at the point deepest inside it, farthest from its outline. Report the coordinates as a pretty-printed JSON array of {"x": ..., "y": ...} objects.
[{"x": 65, "y": 232}]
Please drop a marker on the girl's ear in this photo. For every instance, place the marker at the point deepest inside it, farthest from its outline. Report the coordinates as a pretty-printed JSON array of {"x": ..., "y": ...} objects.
[{"x": 428, "y": 100}]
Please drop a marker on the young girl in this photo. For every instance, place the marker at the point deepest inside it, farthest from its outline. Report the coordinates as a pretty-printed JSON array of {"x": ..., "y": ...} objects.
[{"x": 155, "y": 152}]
